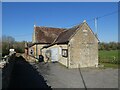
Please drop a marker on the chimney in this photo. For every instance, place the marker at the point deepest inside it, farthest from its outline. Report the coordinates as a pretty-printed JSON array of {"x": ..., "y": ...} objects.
[
  {"x": 84, "y": 21},
  {"x": 34, "y": 25}
]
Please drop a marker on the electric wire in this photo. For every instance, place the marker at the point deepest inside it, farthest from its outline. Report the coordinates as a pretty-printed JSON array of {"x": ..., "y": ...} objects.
[{"x": 88, "y": 20}]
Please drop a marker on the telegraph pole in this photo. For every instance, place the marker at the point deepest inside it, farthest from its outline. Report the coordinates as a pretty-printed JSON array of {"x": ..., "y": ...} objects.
[{"x": 96, "y": 26}]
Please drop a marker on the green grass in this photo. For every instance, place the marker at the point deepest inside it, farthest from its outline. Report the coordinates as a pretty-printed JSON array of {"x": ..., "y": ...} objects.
[
  {"x": 109, "y": 59},
  {"x": 109, "y": 65},
  {"x": 109, "y": 56}
]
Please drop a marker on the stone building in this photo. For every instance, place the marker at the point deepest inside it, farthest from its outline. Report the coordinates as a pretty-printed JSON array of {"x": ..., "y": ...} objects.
[
  {"x": 74, "y": 47},
  {"x": 42, "y": 36}
]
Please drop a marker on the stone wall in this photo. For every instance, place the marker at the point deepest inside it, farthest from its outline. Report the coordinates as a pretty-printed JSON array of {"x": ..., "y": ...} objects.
[
  {"x": 61, "y": 59},
  {"x": 36, "y": 49},
  {"x": 83, "y": 49}
]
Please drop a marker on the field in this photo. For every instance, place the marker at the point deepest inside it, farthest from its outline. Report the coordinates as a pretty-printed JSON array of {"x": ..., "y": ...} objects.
[{"x": 109, "y": 58}]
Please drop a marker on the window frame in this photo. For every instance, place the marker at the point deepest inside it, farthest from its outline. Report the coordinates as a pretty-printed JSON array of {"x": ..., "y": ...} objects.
[{"x": 65, "y": 52}]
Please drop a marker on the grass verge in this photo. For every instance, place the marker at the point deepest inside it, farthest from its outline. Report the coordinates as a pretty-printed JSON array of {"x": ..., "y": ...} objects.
[{"x": 109, "y": 65}]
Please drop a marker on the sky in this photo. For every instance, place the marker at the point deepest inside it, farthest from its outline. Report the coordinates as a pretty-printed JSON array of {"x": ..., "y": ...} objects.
[
  {"x": 60, "y": 0},
  {"x": 0, "y": 20},
  {"x": 18, "y": 18}
]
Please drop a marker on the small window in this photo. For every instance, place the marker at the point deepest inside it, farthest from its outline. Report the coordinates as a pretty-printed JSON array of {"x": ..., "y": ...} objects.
[
  {"x": 31, "y": 52},
  {"x": 64, "y": 52},
  {"x": 85, "y": 31}
]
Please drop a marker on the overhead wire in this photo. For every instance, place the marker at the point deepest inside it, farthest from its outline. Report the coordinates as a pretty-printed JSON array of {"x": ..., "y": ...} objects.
[
  {"x": 92, "y": 19},
  {"x": 107, "y": 14},
  {"x": 22, "y": 34},
  {"x": 88, "y": 20}
]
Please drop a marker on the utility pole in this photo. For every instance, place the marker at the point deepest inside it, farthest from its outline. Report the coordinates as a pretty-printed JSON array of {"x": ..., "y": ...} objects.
[{"x": 96, "y": 26}]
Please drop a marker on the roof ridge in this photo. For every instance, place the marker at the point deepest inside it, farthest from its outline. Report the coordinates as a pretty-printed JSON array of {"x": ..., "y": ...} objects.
[
  {"x": 69, "y": 30},
  {"x": 76, "y": 25},
  {"x": 49, "y": 27},
  {"x": 57, "y": 37}
]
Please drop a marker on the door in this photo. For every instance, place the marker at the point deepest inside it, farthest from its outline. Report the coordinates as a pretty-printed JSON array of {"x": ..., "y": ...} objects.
[{"x": 54, "y": 54}]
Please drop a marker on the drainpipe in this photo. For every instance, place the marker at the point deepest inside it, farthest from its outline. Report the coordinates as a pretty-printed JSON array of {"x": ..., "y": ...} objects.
[
  {"x": 41, "y": 51},
  {"x": 68, "y": 59}
]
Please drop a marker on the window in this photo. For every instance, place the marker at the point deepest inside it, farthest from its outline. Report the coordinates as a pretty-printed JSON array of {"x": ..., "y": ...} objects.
[
  {"x": 85, "y": 32},
  {"x": 64, "y": 52},
  {"x": 31, "y": 52}
]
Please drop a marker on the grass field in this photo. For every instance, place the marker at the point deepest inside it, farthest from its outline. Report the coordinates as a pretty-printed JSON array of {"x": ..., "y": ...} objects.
[
  {"x": 110, "y": 54},
  {"x": 109, "y": 65},
  {"x": 109, "y": 58}
]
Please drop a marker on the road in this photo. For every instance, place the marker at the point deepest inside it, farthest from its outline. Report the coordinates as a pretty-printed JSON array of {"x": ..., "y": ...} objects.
[
  {"x": 25, "y": 75},
  {"x": 0, "y": 79},
  {"x": 44, "y": 75},
  {"x": 58, "y": 76}
]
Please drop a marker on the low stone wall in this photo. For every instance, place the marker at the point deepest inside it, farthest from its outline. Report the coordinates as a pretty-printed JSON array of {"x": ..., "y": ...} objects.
[
  {"x": 29, "y": 58},
  {"x": 7, "y": 70}
]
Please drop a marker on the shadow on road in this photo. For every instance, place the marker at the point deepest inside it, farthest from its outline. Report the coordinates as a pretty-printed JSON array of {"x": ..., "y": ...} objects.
[{"x": 25, "y": 76}]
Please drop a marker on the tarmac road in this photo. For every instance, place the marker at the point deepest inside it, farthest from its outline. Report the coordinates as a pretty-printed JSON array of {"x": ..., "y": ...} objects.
[
  {"x": 25, "y": 76},
  {"x": 0, "y": 79},
  {"x": 58, "y": 76},
  {"x": 43, "y": 75}
]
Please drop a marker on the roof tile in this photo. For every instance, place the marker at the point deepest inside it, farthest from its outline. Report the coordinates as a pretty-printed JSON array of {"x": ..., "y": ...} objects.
[{"x": 47, "y": 34}]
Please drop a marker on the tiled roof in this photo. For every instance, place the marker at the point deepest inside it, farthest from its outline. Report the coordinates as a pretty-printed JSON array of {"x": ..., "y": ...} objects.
[
  {"x": 47, "y": 34},
  {"x": 65, "y": 36},
  {"x": 53, "y": 36}
]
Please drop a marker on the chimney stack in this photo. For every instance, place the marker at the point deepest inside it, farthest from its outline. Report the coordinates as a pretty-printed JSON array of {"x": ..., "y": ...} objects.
[
  {"x": 34, "y": 25},
  {"x": 84, "y": 21}
]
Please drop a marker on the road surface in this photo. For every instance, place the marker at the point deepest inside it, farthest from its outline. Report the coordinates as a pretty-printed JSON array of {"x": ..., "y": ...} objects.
[
  {"x": 59, "y": 76},
  {"x": 25, "y": 76}
]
